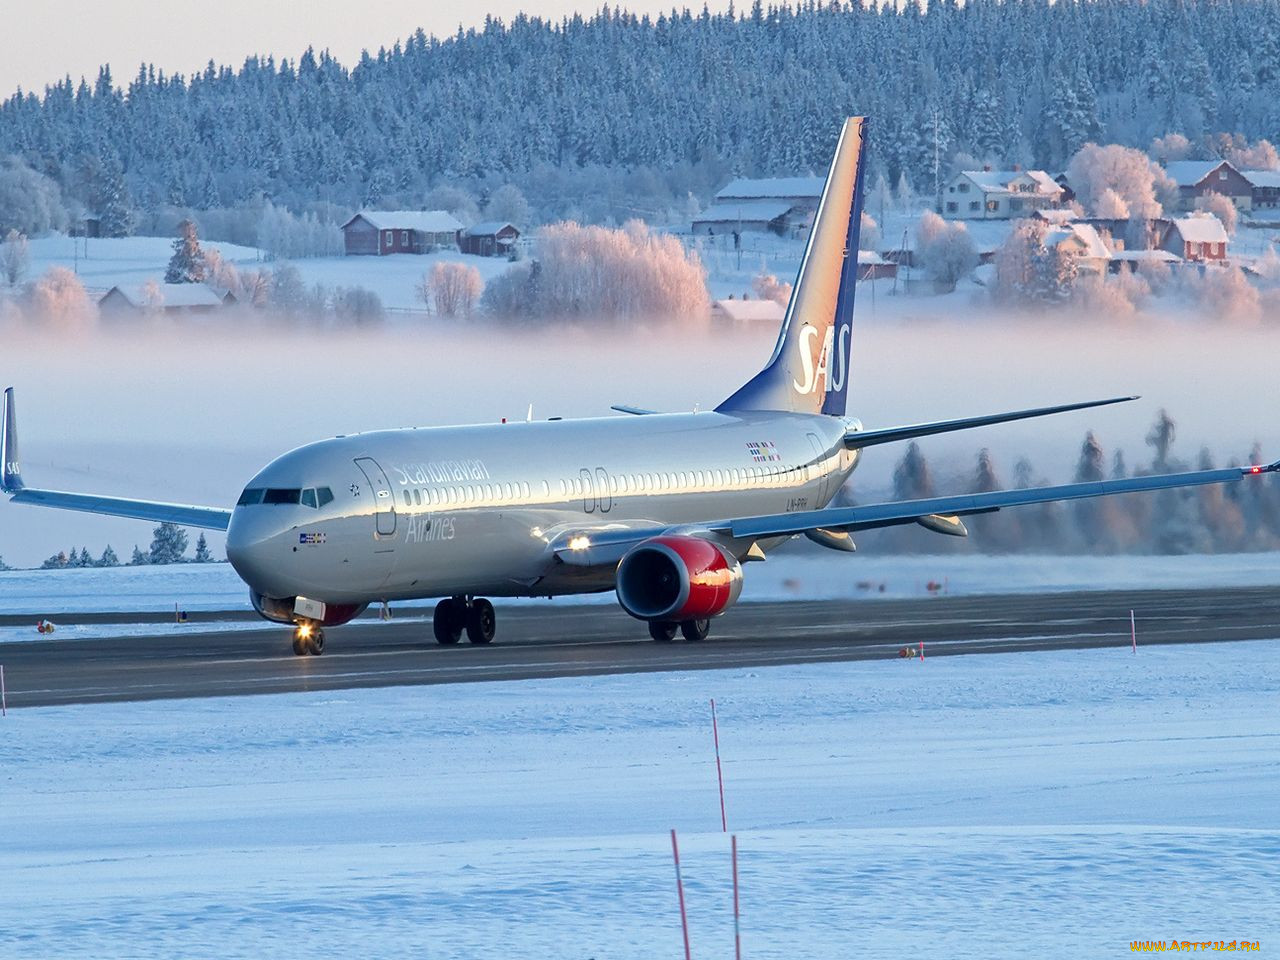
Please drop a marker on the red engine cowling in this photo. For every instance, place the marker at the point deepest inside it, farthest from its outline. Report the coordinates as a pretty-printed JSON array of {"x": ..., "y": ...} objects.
[{"x": 678, "y": 578}]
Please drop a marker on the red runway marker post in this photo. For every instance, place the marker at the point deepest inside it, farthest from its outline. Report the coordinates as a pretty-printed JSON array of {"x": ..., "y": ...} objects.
[
  {"x": 4, "y": 706},
  {"x": 684, "y": 917},
  {"x": 922, "y": 651},
  {"x": 715, "y": 733},
  {"x": 737, "y": 933},
  {"x": 1133, "y": 632}
]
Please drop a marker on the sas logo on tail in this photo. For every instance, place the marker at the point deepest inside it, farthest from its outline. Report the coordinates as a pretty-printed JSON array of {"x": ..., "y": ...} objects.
[{"x": 823, "y": 372}]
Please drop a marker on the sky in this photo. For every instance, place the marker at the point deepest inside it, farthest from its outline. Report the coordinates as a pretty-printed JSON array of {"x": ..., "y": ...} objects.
[{"x": 182, "y": 36}]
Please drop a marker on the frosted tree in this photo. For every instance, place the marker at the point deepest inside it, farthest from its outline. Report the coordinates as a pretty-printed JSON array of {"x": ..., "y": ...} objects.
[
  {"x": 1257, "y": 156},
  {"x": 1127, "y": 173},
  {"x": 108, "y": 558},
  {"x": 452, "y": 289},
  {"x": 58, "y": 299},
  {"x": 508, "y": 204},
  {"x": 1160, "y": 439},
  {"x": 905, "y": 195},
  {"x": 357, "y": 305},
  {"x": 152, "y": 298},
  {"x": 168, "y": 544},
  {"x": 187, "y": 265},
  {"x": 868, "y": 234},
  {"x": 766, "y": 286},
  {"x": 911, "y": 477},
  {"x": 946, "y": 250},
  {"x": 1171, "y": 147},
  {"x": 202, "y": 550},
  {"x": 15, "y": 257},
  {"x": 138, "y": 559},
  {"x": 30, "y": 202},
  {"x": 1109, "y": 205},
  {"x": 84, "y": 560},
  {"x": 4, "y": 566},
  {"x": 1222, "y": 208}
]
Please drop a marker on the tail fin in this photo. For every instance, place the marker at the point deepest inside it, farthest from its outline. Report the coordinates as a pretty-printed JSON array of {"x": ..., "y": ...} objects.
[
  {"x": 10, "y": 465},
  {"x": 809, "y": 369}
]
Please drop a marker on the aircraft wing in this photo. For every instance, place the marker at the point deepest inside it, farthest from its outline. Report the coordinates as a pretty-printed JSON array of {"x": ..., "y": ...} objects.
[
  {"x": 594, "y": 547},
  {"x": 11, "y": 482},
  {"x": 856, "y": 439}
]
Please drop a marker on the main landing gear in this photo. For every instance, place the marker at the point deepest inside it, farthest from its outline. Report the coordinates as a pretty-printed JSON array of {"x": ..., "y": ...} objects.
[
  {"x": 664, "y": 631},
  {"x": 473, "y": 614},
  {"x": 308, "y": 640}
]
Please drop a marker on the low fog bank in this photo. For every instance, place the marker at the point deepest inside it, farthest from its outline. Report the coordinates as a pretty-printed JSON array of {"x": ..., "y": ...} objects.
[{"x": 187, "y": 413}]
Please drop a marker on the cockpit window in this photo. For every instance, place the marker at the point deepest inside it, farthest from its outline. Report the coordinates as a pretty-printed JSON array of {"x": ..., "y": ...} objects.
[
  {"x": 308, "y": 498},
  {"x": 279, "y": 495},
  {"x": 324, "y": 495},
  {"x": 251, "y": 496}
]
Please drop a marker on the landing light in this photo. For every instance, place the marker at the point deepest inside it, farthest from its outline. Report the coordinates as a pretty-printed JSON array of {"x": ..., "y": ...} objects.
[
  {"x": 579, "y": 543},
  {"x": 304, "y": 631}
]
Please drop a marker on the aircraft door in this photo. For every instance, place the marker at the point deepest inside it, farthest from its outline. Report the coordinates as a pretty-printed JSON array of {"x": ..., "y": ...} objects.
[
  {"x": 820, "y": 468},
  {"x": 604, "y": 494},
  {"x": 384, "y": 500},
  {"x": 588, "y": 491}
]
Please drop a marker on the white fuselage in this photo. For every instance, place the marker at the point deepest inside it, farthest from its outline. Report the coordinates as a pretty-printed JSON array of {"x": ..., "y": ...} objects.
[{"x": 448, "y": 511}]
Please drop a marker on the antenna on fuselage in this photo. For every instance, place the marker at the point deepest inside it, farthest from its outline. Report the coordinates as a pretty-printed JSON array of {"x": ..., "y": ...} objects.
[{"x": 528, "y": 417}]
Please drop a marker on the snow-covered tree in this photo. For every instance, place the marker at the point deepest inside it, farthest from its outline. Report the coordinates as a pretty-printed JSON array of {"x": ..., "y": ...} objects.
[
  {"x": 768, "y": 287},
  {"x": 187, "y": 263},
  {"x": 946, "y": 250},
  {"x": 30, "y": 202},
  {"x": 868, "y": 234},
  {"x": 108, "y": 558},
  {"x": 507, "y": 203},
  {"x": 1222, "y": 208},
  {"x": 58, "y": 299},
  {"x": 452, "y": 289},
  {"x": 202, "y": 550},
  {"x": 1110, "y": 205},
  {"x": 911, "y": 477},
  {"x": 357, "y": 305},
  {"x": 15, "y": 257},
  {"x": 1129, "y": 174},
  {"x": 138, "y": 558},
  {"x": 168, "y": 544}
]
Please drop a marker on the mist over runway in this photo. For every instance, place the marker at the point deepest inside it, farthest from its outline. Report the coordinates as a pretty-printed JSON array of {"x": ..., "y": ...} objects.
[{"x": 589, "y": 640}]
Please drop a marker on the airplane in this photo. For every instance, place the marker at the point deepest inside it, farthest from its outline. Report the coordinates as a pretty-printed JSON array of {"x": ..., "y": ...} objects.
[{"x": 665, "y": 509}]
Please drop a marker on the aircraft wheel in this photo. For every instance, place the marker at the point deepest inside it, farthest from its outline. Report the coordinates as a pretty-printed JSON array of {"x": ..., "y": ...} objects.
[
  {"x": 315, "y": 645},
  {"x": 299, "y": 645},
  {"x": 482, "y": 623},
  {"x": 695, "y": 630},
  {"x": 663, "y": 631},
  {"x": 446, "y": 624}
]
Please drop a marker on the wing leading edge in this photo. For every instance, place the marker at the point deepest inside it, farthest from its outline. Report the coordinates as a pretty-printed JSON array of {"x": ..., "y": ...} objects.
[{"x": 11, "y": 482}]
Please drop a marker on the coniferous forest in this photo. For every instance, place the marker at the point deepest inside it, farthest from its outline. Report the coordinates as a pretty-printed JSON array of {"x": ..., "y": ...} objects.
[{"x": 675, "y": 104}]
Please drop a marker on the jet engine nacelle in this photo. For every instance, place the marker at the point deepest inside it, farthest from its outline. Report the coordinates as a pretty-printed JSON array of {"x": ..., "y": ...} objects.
[
  {"x": 281, "y": 610},
  {"x": 677, "y": 578}
]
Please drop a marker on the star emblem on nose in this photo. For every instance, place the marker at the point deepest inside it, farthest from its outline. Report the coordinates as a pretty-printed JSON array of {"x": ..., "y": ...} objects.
[{"x": 355, "y": 490}]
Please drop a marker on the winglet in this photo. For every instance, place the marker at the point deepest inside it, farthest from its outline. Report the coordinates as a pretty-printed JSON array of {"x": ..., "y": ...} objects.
[{"x": 11, "y": 476}]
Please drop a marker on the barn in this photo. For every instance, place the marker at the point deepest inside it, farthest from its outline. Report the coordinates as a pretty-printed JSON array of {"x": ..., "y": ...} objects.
[
  {"x": 744, "y": 215},
  {"x": 493, "y": 238},
  {"x": 381, "y": 232},
  {"x": 169, "y": 299},
  {"x": 1195, "y": 178},
  {"x": 1200, "y": 237}
]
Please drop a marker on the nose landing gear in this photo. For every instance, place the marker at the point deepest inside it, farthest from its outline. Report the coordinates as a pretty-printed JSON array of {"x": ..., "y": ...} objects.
[
  {"x": 308, "y": 640},
  {"x": 474, "y": 615}
]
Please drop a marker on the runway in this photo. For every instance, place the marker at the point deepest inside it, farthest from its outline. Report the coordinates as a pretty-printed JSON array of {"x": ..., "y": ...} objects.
[{"x": 597, "y": 639}]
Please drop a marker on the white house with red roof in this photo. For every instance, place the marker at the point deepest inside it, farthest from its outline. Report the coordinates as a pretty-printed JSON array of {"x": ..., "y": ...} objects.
[{"x": 999, "y": 194}]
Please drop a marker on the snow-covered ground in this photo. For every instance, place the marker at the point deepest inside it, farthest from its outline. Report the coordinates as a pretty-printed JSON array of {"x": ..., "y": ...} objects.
[
  {"x": 133, "y": 261},
  {"x": 1055, "y": 804}
]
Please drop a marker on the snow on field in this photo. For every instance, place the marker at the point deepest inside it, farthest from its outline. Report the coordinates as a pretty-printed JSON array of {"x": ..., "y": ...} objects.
[
  {"x": 105, "y": 263},
  {"x": 1056, "y": 804},
  {"x": 809, "y": 575}
]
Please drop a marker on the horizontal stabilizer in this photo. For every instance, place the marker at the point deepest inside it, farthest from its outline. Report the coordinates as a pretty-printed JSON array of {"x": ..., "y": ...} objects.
[
  {"x": 858, "y": 439},
  {"x": 635, "y": 411}
]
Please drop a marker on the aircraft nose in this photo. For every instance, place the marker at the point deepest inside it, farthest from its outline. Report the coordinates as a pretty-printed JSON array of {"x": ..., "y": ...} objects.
[{"x": 249, "y": 549}]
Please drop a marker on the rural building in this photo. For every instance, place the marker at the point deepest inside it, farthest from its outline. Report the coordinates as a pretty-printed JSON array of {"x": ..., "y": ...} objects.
[
  {"x": 802, "y": 194},
  {"x": 493, "y": 238},
  {"x": 1082, "y": 241},
  {"x": 1200, "y": 238},
  {"x": 169, "y": 299},
  {"x": 872, "y": 266},
  {"x": 741, "y": 216},
  {"x": 999, "y": 194},
  {"x": 1131, "y": 260},
  {"x": 748, "y": 311},
  {"x": 1195, "y": 178},
  {"x": 382, "y": 232},
  {"x": 1266, "y": 188}
]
